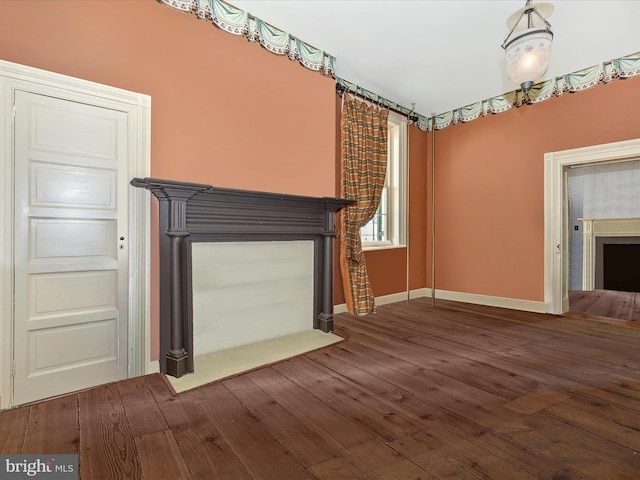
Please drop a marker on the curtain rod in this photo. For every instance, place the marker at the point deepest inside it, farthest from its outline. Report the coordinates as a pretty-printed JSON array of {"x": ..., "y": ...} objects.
[
  {"x": 341, "y": 89},
  {"x": 412, "y": 117}
]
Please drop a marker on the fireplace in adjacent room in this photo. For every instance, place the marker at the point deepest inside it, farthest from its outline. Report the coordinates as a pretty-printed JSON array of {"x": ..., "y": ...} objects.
[
  {"x": 611, "y": 254},
  {"x": 618, "y": 263}
]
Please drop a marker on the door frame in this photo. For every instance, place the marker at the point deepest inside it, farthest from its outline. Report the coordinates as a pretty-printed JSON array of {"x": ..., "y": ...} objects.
[
  {"x": 138, "y": 108},
  {"x": 556, "y": 294}
]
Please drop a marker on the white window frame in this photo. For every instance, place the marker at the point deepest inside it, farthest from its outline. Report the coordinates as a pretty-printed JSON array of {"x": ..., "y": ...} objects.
[{"x": 395, "y": 186}]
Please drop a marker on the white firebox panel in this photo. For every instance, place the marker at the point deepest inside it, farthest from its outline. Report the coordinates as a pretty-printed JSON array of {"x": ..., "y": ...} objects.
[{"x": 245, "y": 292}]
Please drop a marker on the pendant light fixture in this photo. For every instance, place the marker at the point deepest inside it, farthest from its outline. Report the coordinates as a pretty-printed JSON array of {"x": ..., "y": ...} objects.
[{"x": 528, "y": 44}]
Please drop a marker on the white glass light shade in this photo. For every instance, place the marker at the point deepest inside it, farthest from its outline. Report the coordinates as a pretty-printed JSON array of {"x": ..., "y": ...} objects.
[{"x": 527, "y": 55}]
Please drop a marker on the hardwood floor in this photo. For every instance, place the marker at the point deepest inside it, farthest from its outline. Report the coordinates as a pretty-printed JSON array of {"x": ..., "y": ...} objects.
[
  {"x": 452, "y": 392},
  {"x": 605, "y": 303}
]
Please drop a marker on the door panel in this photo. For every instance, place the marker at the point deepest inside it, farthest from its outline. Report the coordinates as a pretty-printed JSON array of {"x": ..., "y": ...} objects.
[
  {"x": 67, "y": 186},
  {"x": 71, "y": 292},
  {"x": 55, "y": 129},
  {"x": 61, "y": 240},
  {"x": 71, "y": 272},
  {"x": 71, "y": 346}
]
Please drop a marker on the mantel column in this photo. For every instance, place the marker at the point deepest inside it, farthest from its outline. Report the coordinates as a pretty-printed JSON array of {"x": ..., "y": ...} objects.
[
  {"x": 588, "y": 255},
  {"x": 325, "y": 319},
  {"x": 173, "y": 198},
  {"x": 176, "y": 231}
]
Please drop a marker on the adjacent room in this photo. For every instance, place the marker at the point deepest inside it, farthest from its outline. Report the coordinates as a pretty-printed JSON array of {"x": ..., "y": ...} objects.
[{"x": 268, "y": 239}]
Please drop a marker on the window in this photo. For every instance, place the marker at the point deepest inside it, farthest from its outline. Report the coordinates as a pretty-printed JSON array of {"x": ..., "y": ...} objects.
[{"x": 388, "y": 225}]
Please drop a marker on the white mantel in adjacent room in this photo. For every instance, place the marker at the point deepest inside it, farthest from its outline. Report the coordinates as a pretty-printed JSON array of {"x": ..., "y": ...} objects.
[{"x": 602, "y": 227}]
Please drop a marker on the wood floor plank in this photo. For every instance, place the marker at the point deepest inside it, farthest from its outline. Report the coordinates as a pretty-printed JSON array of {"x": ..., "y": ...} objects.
[
  {"x": 593, "y": 455},
  {"x": 310, "y": 410},
  {"x": 434, "y": 462},
  {"x": 622, "y": 306},
  {"x": 609, "y": 352},
  {"x": 528, "y": 459},
  {"x": 337, "y": 469},
  {"x": 473, "y": 457},
  {"x": 13, "y": 427},
  {"x": 140, "y": 404},
  {"x": 606, "y": 304},
  {"x": 378, "y": 416},
  {"x": 54, "y": 427},
  {"x": 411, "y": 389},
  {"x": 303, "y": 442},
  {"x": 107, "y": 446},
  {"x": 458, "y": 325},
  {"x": 383, "y": 462},
  {"x": 202, "y": 445},
  {"x": 160, "y": 457},
  {"x": 160, "y": 387},
  {"x": 534, "y": 402},
  {"x": 485, "y": 377},
  {"x": 548, "y": 373},
  {"x": 263, "y": 456},
  {"x": 422, "y": 363},
  {"x": 620, "y": 432},
  {"x": 563, "y": 365},
  {"x": 635, "y": 308}
]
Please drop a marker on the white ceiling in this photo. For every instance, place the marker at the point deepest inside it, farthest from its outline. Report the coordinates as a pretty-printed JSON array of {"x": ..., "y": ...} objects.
[{"x": 445, "y": 54}]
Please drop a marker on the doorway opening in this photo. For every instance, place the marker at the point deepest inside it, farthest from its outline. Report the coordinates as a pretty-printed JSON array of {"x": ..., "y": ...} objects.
[{"x": 556, "y": 212}]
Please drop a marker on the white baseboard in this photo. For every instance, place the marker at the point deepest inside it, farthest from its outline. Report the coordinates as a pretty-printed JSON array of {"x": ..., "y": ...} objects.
[
  {"x": 342, "y": 308},
  {"x": 391, "y": 298},
  {"x": 153, "y": 366},
  {"x": 491, "y": 301},
  {"x": 488, "y": 300}
]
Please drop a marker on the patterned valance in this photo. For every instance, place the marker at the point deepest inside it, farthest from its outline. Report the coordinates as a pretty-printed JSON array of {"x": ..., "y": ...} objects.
[
  {"x": 624, "y": 67},
  {"x": 238, "y": 22}
]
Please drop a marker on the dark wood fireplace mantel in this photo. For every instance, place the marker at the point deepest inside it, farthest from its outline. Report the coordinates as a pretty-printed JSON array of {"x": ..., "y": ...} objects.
[{"x": 192, "y": 212}]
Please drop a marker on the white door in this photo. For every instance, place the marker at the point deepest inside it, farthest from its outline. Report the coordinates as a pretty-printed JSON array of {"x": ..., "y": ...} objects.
[{"x": 71, "y": 273}]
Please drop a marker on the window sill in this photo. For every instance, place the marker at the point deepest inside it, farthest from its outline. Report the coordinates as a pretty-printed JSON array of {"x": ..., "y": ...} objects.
[{"x": 366, "y": 248}]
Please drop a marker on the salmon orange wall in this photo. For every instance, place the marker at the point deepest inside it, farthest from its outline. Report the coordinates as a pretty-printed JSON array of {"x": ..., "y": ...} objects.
[
  {"x": 224, "y": 111},
  {"x": 490, "y": 186}
]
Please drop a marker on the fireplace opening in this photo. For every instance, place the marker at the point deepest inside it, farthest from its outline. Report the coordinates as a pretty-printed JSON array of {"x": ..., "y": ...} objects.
[
  {"x": 617, "y": 263},
  {"x": 621, "y": 267},
  {"x": 246, "y": 292}
]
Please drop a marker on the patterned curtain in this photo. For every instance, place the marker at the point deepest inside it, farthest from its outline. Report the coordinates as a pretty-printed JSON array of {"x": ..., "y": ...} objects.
[{"x": 364, "y": 165}]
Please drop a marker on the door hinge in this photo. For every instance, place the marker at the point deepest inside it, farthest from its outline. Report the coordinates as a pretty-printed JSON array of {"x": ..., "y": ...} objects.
[
  {"x": 13, "y": 111},
  {"x": 13, "y": 369}
]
